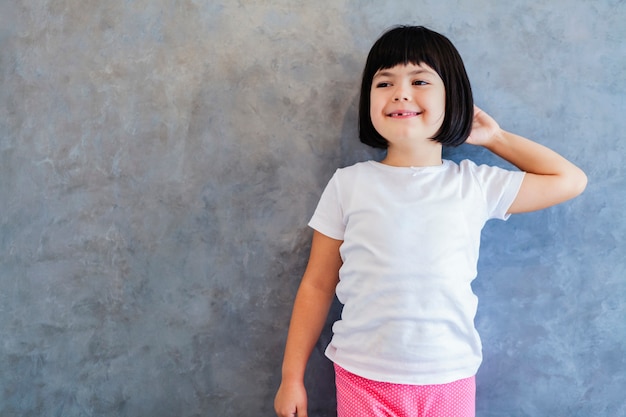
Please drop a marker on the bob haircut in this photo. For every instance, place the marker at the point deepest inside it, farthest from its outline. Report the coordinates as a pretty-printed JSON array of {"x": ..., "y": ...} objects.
[{"x": 419, "y": 45}]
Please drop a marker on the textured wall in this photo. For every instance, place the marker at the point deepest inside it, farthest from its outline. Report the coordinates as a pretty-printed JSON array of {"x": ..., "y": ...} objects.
[{"x": 159, "y": 161}]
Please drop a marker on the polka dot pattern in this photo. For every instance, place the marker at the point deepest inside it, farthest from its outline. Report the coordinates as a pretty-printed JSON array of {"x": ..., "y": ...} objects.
[{"x": 359, "y": 397}]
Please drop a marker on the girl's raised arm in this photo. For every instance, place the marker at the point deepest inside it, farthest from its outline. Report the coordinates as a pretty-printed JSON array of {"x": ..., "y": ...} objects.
[{"x": 550, "y": 179}]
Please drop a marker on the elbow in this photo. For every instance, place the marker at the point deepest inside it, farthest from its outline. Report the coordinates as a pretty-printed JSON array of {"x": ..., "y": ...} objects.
[{"x": 578, "y": 183}]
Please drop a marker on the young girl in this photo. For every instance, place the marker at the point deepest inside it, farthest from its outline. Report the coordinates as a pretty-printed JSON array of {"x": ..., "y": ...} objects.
[{"x": 397, "y": 240}]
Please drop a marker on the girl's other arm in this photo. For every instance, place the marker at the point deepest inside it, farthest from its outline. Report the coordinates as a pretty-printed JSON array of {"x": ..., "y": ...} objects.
[
  {"x": 310, "y": 310},
  {"x": 550, "y": 179}
]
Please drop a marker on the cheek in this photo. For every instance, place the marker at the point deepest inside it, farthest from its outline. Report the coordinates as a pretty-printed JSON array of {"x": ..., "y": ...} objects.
[
  {"x": 375, "y": 120},
  {"x": 373, "y": 100},
  {"x": 439, "y": 108},
  {"x": 375, "y": 108}
]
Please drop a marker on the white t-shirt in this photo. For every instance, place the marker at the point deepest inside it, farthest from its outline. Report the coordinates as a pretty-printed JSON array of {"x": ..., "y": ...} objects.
[{"x": 410, "y": 250}]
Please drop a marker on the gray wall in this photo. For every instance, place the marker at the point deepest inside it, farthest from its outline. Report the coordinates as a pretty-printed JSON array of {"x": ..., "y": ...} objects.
[{"x": 159, "y": 161}]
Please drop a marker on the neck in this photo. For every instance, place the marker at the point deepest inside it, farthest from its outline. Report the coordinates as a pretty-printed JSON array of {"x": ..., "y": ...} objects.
[{"x": 422, "y": 156}]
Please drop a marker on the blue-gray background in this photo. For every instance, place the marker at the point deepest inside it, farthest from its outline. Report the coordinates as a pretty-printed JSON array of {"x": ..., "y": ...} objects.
[{"x": 159, "y": 161}]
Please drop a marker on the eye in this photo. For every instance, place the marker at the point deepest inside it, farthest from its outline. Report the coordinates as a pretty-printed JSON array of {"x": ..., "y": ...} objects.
[
  {"x": 383, "y": 84},
  {"x": 420, "y": 82}
]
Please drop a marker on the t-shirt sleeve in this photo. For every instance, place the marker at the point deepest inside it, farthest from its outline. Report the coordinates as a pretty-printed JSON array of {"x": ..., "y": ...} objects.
[
  {"x": 328, "y": 216},
  {"x": 499, "y": 187}
]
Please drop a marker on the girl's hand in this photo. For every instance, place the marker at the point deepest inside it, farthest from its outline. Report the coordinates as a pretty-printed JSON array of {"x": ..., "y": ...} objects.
[
  {"x": 484, "y": 128},
  {"x": 549, "y": 178},
  {"x": 291, "y": 401}
]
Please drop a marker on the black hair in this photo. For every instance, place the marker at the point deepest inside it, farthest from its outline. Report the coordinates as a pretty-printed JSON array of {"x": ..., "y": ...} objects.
[{"x": 419, "y": 45}]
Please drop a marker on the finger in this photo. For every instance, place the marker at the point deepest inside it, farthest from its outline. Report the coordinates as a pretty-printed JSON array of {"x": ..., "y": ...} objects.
[{"x": 301, "y": 410}]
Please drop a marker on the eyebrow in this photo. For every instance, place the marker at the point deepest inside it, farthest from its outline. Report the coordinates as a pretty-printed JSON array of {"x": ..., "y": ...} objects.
[{"x": 391, "y": 74}]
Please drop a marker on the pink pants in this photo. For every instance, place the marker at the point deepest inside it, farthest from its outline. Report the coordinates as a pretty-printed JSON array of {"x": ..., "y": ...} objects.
[{"x": 361, "y": 397}]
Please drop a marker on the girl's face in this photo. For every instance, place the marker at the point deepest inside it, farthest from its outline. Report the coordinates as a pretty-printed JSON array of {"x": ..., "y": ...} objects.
[{"x": 407, "y": 103}]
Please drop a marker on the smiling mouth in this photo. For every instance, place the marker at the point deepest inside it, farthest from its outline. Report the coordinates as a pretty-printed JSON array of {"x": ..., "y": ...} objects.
[{"x": 404, "y": 114}]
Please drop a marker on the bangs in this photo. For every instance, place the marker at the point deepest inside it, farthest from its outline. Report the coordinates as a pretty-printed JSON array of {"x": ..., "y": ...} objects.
[{"x": 401, "y": 47}]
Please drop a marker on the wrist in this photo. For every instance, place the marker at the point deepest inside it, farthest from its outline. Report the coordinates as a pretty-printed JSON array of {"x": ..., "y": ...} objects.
[
  {"x": 497, "y": 138},
  {"x": 290, "y": 381},
  {"x": 290, "y": 376}
]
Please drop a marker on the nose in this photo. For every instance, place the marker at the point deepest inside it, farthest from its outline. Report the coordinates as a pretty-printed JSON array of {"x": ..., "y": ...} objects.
[{"x": 401, "y": 94}]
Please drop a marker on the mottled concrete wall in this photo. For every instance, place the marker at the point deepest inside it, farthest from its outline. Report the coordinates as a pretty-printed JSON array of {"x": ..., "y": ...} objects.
[{"x": 159, "y": 161}]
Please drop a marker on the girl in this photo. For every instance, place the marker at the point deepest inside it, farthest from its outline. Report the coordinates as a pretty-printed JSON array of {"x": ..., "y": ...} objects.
[{"x": 397, "y": 240}]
